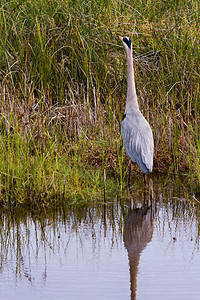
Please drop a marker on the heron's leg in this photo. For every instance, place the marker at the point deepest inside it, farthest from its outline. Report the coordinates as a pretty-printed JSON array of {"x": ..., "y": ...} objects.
[
  {"x": 145, "y": 180},
  {"x": 129, "y": 172},
  {"x": 151, "y": 192}
]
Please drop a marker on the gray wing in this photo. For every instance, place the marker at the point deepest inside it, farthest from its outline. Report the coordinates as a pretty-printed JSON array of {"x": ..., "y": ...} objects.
[{"x": 138, "y": 141}]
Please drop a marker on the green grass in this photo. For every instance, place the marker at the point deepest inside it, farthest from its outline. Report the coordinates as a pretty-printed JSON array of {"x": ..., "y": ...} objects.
[{"x": 63, "y": 91}]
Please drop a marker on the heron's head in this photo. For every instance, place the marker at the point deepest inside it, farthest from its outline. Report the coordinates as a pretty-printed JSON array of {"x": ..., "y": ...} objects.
[{"x": 127, "y": 42}]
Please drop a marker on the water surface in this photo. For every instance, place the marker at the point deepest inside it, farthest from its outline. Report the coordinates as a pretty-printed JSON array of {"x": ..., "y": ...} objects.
[{"x": 134, "y": 247}]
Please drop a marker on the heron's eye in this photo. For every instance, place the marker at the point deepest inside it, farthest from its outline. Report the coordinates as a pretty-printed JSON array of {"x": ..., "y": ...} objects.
[{"x": 127, "y": 41}]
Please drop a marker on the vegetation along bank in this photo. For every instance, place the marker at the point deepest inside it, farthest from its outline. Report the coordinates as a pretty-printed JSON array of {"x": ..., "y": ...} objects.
[{"x": 63, "y": 90}]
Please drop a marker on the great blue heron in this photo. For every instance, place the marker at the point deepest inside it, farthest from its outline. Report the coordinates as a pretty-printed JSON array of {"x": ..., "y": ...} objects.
[{"x": 136, "y": 131}]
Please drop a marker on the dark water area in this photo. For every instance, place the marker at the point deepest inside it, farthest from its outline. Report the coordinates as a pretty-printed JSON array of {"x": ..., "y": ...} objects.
[{"x": 139, "y": 245}]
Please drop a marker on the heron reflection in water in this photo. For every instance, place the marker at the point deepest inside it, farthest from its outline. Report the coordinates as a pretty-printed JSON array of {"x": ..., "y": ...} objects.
[{"x": 138, "y": 232}]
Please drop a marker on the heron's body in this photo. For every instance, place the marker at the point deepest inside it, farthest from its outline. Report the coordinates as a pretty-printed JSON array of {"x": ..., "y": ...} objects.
[
  {"x": 137, "y": 135},
  {"x": 136, "y": 131}
]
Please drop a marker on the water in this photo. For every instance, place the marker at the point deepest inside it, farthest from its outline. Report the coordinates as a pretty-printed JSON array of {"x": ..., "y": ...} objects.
[{"x": 104, "y": 251}]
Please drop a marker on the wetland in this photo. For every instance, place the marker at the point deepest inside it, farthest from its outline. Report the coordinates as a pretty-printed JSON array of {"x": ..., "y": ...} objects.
[
  {"x": 145, "y": 246},
  {"x": 62, "y": 97}
]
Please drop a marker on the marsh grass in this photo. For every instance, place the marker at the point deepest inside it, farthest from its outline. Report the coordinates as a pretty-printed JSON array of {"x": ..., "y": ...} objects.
[{"x": 63, "y": 91}]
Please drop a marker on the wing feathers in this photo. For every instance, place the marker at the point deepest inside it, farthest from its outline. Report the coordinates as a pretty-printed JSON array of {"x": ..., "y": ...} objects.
[{"x": 138, "y": 141}]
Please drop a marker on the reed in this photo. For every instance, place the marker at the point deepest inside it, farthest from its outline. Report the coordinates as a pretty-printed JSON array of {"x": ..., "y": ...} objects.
[{"x": 63, "y": 90}]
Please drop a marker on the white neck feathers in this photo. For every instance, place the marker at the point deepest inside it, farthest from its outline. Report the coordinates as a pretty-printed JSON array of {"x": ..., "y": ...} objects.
[{"x": 131, "y": 101}]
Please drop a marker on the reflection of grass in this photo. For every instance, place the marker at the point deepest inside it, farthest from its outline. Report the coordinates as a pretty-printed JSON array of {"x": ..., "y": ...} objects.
[
  {"x": 63, "y": 86},
  {"x": 179, "y": 219},
  {"x": 28, "y": 234}
]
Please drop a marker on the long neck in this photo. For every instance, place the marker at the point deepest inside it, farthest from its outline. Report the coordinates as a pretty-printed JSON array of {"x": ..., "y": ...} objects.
[{"x": 131, "y": 101}]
